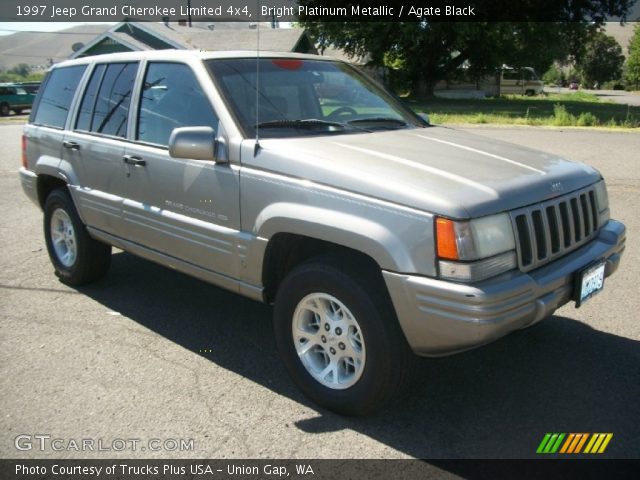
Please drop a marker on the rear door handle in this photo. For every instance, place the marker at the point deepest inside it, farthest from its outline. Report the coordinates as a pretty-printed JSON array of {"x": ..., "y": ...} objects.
[
  {"x": 133, "y": 160},
  {"x": 71, "y": 145}
]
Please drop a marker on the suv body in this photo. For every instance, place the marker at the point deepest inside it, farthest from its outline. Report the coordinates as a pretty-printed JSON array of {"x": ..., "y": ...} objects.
[
  {"x": 373, "y": 235},
  {"x": 14, "y": 97}
]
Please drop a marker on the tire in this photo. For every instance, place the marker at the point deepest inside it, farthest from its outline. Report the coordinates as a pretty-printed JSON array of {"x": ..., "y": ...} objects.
[
  {"x": 17, "y": 111},
  {"x": 529, "y": 93},
  {"x": 76, "y": 257},
  {"x": 362, "y": 324},
  {"x": 4, "y": 109}
]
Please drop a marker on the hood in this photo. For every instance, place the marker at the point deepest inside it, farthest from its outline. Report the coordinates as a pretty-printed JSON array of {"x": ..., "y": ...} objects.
[{"x": 435, "y": 169}]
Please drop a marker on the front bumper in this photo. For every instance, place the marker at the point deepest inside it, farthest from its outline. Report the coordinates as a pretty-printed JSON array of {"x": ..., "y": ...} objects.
[{"x": 440, "y": 318}]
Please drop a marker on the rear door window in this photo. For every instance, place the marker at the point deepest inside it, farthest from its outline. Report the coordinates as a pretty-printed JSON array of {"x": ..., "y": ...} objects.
[
  {"x": 105, "y": 106},
  {"x": 53, "y": 106},
  {"x": 85, "y": 113}
]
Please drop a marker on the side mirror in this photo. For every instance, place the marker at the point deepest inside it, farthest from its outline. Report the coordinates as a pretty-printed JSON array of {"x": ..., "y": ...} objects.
[
  {"x": 425, "y": 118},
  {"x": 197, "y": 143}
]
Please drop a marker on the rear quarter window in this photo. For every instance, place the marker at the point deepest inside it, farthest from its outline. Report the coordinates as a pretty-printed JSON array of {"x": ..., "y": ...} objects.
[{"x": 55, "y": 99}]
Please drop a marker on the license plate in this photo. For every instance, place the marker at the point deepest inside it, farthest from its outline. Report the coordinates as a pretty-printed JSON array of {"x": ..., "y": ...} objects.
[{"x": 589, "y": 282}]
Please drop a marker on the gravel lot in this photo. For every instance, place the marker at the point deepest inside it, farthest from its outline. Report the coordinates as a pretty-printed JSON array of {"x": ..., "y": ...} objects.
[{"x": 125, "y": 359}]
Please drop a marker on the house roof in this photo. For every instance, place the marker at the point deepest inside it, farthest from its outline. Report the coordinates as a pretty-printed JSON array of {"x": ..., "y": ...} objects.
[
  {"x": 282, "y": 40},
  {"x": 128, "y": 40},
  {"x": 149, "y": 36},
  {"x": 340, "y": 54}
]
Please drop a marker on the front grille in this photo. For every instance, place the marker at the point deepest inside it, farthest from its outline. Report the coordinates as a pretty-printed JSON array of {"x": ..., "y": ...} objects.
[{"x": 551, "y": 229}]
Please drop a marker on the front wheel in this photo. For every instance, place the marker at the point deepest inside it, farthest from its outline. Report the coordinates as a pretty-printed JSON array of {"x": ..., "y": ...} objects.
[
  {"x": 77, "y": 258},
  {"x": 4, "y": 109},
  {"x": 339, "y": 338}
]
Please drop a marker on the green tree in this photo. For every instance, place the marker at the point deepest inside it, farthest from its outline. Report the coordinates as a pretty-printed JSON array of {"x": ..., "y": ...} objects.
[
  {"x": 22, "y": 70},
  {"x": 602, "y": 60},
  {"x": 633, "y": 61},
  {"x": 554, "y": 76},
  {"x": 430, "y": 51}
]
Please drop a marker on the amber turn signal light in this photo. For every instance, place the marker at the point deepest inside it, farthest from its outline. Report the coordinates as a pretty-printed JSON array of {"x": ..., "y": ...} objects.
[{"x": 446, "y": 239}]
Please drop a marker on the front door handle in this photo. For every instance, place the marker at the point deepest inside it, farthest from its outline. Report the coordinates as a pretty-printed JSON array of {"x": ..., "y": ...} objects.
[
  {"x": 71, "y": 145},
  {"x": 133, "y": 160}
]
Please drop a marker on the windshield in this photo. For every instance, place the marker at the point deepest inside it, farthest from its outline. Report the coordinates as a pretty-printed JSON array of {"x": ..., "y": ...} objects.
[{"x": 306, "y": 97}]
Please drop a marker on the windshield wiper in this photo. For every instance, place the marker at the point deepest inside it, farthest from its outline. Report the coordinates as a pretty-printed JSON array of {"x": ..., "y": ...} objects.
[
  {"x": 391, "y": 120},
  {"x": 308, "y": 123}
]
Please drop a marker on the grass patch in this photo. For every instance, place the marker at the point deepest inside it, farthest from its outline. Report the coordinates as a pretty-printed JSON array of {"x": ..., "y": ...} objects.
[
  {"x": 562, "y": 118},
  {"x": 587, "y": 119},
  {"x": 571, "y": 109},
  {"x": 562, "y": 97}
]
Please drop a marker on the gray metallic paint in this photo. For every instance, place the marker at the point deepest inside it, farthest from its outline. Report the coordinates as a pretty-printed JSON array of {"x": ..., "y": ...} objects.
[
  {"x": 373, "y": 192},
  {"x": 440, "y": 318},
  {"x": 432, "y": 169},
  {"x": 196, "y": 143}
]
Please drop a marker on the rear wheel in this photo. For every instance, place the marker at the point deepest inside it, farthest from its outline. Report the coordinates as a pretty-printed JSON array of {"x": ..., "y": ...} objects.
[
  {"x": 339, "y": 338},
  {"x": 4, "y": 109},
  {"x": 17, "y": 111},
  {"x": 77, "y": 258}
]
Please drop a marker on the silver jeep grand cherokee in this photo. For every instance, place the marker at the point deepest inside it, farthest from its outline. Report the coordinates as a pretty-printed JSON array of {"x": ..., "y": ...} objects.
[{"x": 298, "y": 181}]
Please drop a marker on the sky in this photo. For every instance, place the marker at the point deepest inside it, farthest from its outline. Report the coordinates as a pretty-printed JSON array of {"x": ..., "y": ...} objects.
[{"x": 8, "y": 28}]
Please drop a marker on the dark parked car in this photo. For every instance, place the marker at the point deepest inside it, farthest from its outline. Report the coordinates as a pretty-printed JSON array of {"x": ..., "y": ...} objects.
[{"x": 14, "y": 97}]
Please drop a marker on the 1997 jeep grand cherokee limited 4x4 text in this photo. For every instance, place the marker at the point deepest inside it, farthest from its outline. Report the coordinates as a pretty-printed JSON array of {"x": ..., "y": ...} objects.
[{"x": 372, "y": 233}]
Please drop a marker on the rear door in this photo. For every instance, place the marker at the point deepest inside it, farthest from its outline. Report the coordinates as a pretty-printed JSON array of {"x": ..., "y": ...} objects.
[
  {"x": 187, "y": 209},
  {"x": 45, "y": 131},
  {"x": 95, "y": 146}
]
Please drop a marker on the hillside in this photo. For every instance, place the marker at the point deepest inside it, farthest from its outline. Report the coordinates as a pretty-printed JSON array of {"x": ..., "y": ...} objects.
[
  {"x": 35, "y": 49},
  {"x": 622, "y": 34}
]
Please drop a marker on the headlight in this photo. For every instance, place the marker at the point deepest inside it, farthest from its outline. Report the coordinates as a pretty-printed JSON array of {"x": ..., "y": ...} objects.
[
  {"x": 602, "y": 199},
  {"x": 601, "y": 196},
  {"x": 473, "y": 250}
]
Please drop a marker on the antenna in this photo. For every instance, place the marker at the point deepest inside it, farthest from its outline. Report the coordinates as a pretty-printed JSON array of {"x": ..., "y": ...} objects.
[{"x": 256, "y": 148}]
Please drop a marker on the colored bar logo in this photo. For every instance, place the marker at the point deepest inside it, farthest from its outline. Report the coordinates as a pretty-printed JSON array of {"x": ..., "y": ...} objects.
[{"x": 574, "y": 443}]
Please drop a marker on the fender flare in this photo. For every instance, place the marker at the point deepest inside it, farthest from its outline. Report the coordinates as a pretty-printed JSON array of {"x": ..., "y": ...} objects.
[{"x": 358, "y": 233}]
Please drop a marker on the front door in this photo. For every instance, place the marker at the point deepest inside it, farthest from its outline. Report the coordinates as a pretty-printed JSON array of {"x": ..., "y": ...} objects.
[{"x": 186, "y": 209}]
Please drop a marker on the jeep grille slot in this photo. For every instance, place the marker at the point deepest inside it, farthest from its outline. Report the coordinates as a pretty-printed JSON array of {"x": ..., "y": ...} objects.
[
  {"x": 577, "y": 219},
  {"x": 551, "y": 229},
  {"x": 554, "y": 231},
  {"x": 594, "y": 209},
  {"x": 540, "y": 234},
  {"x": 525, "y": 253}
]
